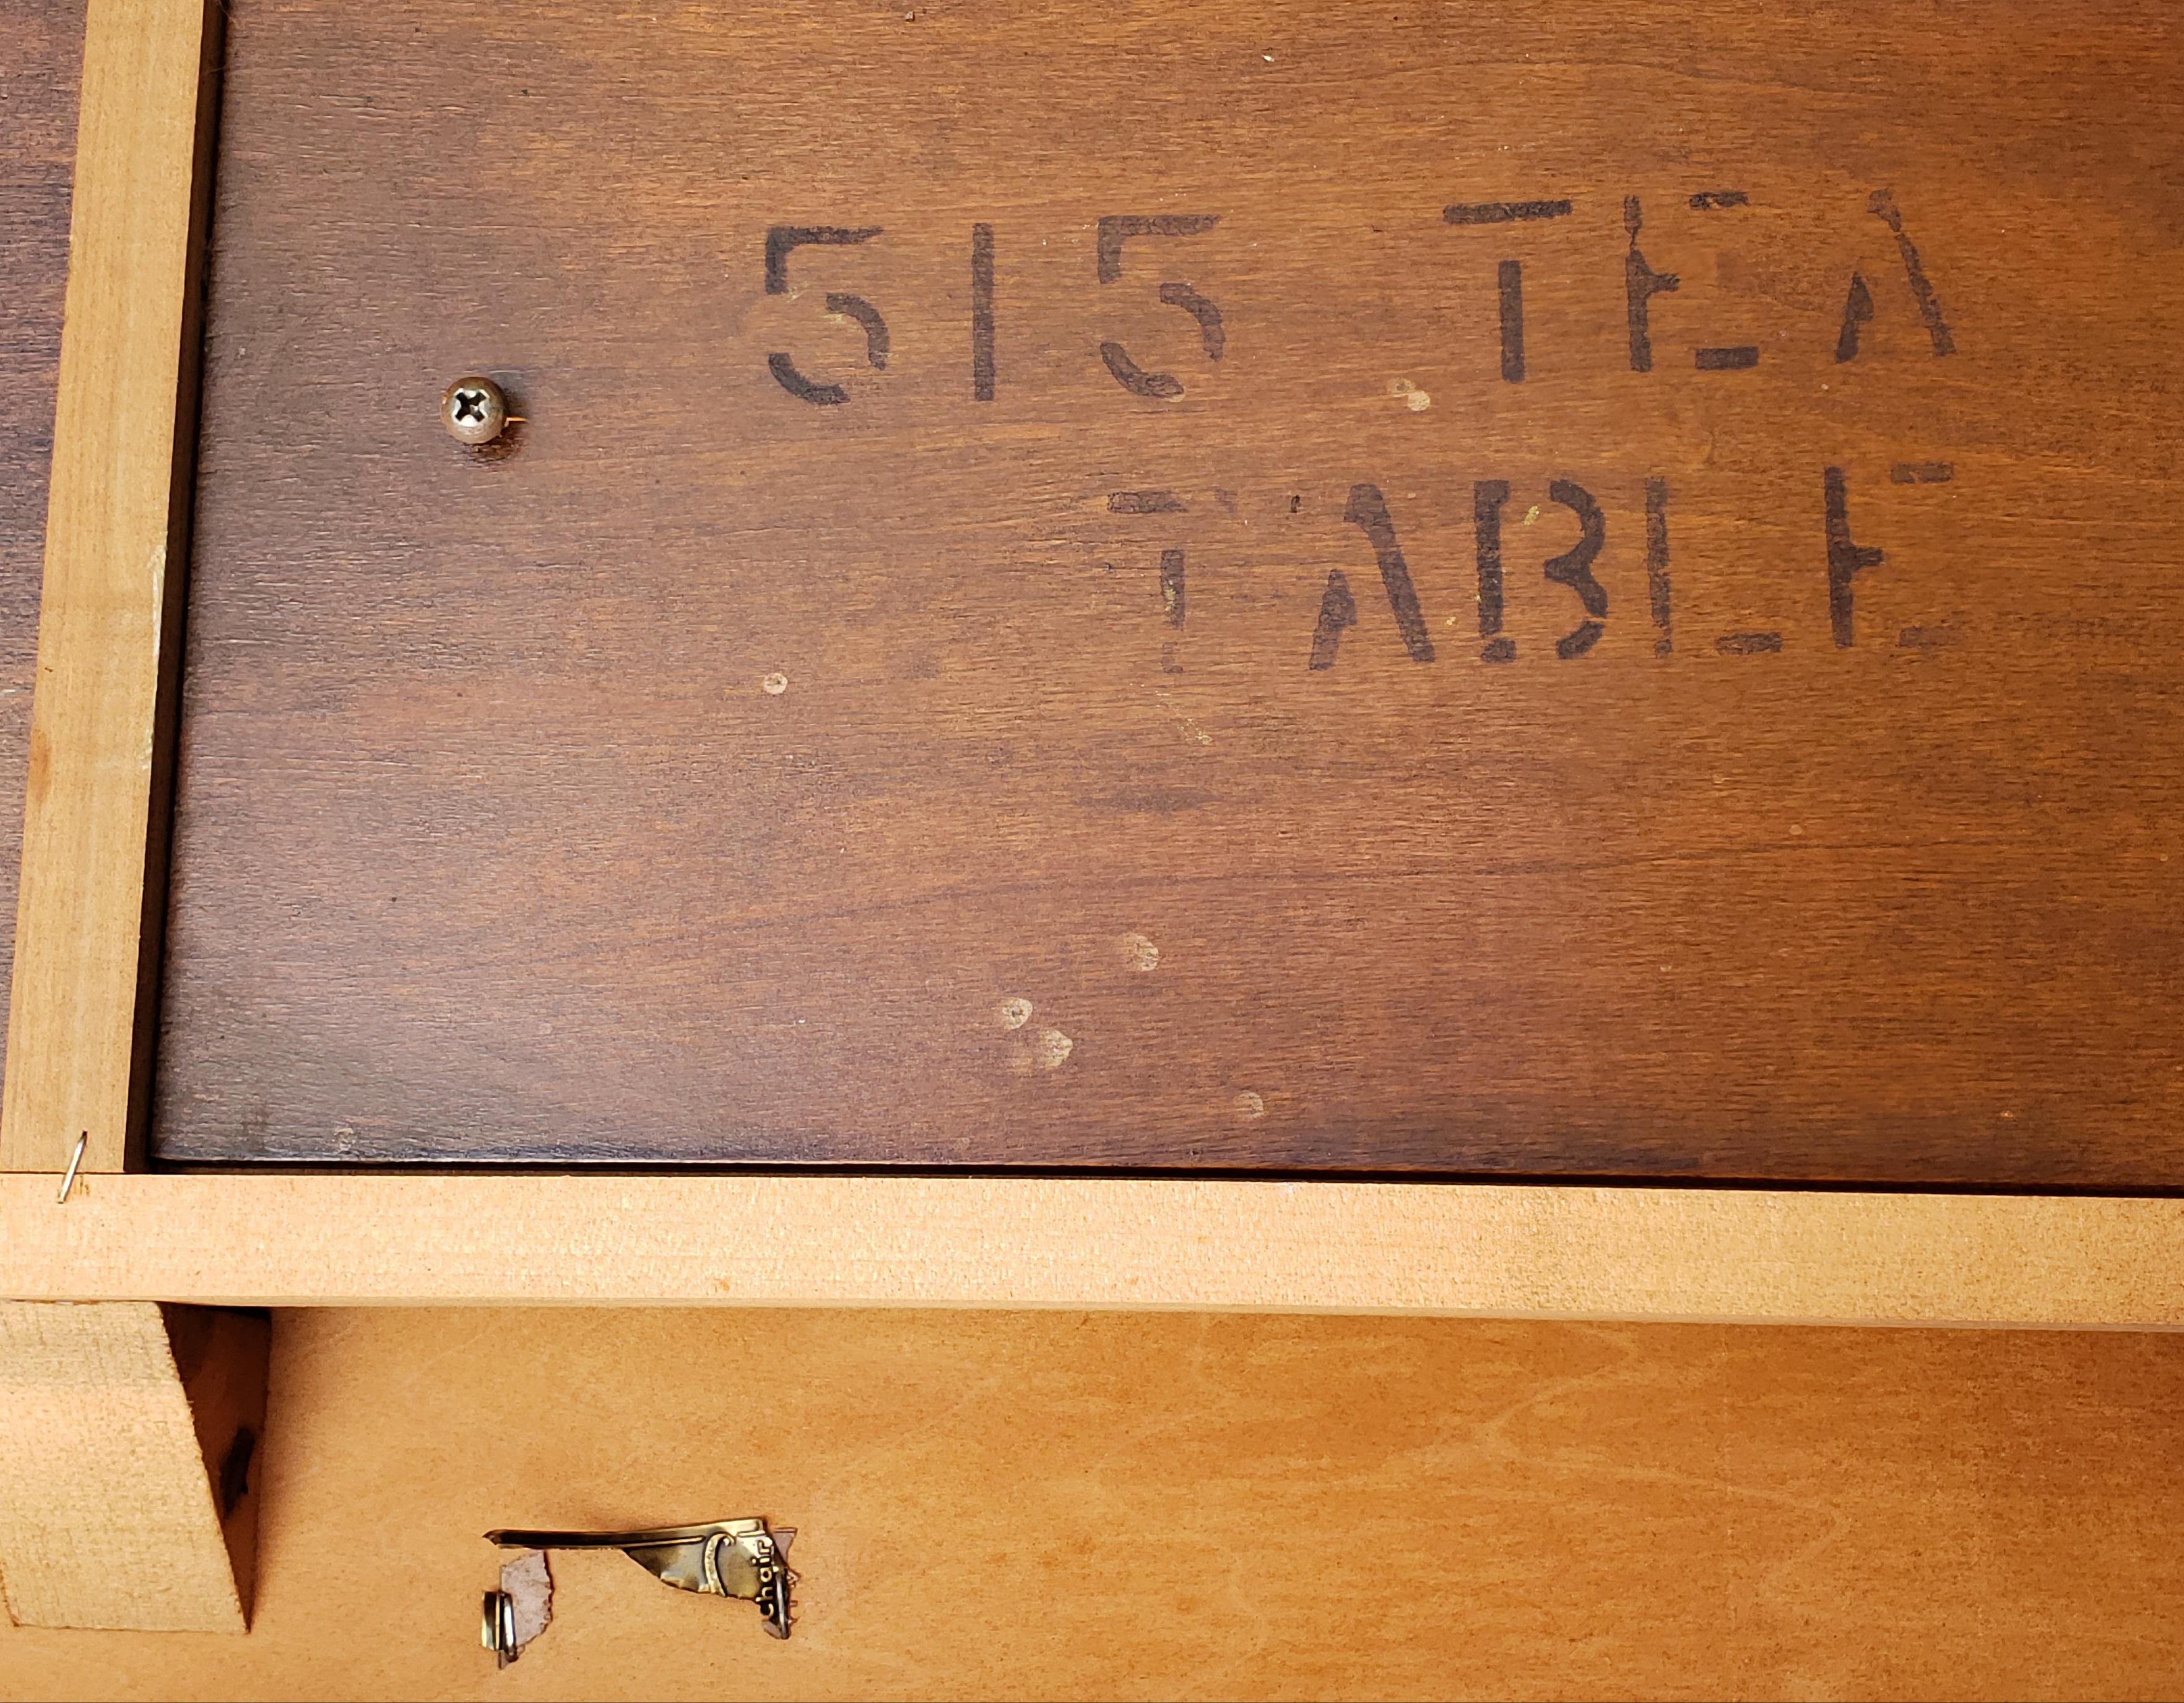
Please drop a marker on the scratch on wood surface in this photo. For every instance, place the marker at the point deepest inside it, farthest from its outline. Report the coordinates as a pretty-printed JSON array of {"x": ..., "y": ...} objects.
[{"x": 156, "y": 567}]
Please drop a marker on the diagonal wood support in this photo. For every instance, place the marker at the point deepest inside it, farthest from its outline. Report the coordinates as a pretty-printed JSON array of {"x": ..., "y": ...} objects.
[
  {"x": 97, "y": 792},
  {"x": 129, "y": 1464}
]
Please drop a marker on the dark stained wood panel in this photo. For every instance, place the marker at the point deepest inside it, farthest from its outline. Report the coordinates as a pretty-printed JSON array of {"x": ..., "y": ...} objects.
[{"x": 716, "y": 773}]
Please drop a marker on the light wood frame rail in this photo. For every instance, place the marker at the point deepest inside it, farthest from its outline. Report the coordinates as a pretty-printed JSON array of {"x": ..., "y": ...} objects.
[{"x": 1517, "y": 1250}]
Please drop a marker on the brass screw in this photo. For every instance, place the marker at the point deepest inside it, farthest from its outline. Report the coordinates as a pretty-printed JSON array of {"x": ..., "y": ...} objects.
[{"x": 474, "y": 410}]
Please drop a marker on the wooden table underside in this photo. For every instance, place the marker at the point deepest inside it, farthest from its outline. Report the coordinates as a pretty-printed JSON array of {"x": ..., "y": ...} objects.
[{"x": 1732, "y": 1253}]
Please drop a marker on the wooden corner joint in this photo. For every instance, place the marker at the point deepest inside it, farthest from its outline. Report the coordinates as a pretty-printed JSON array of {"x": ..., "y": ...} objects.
[
  {"x": 130, "y": 1460},
  {"x": 98, "y": 785},
  {"x": 129, "y": 1432}
]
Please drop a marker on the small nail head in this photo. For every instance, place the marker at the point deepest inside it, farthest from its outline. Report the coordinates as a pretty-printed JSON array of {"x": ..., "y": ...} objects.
[{"x": 474, "y": 410}]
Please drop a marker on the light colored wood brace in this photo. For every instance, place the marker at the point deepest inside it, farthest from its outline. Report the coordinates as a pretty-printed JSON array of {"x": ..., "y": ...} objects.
[
  {"x": 97, "y": 793},
  {"x": 128, "y": 1463}
]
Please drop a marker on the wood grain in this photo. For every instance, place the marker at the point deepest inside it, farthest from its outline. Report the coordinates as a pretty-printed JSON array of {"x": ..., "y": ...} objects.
[
  {"x": 97, "y": 793},
  {"x": 113, "y": 1508},
  {"x": 1073, "y": 1505},
  {"x": 1519, "y": 1250},
  {"x": 1541, "y": 1510},
  {"x": 124, "y": 1499},
  {"x": 496, "y": 844},
  {"x": 41, "y": 42}
]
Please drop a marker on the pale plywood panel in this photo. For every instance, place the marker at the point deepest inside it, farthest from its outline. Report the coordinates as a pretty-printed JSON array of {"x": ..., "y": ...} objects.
[
  {"x": 1569, "y": 1252},
  {"x": 109, "y": 1515},
  {"x": 94, "y": 827},
  {"x": 1083, "y": 1505}
]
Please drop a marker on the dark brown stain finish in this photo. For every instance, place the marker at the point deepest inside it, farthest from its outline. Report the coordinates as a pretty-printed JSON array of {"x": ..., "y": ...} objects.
[
  {"x": 812, "y": 762},
  {"x": 235, "y": 1469}
]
